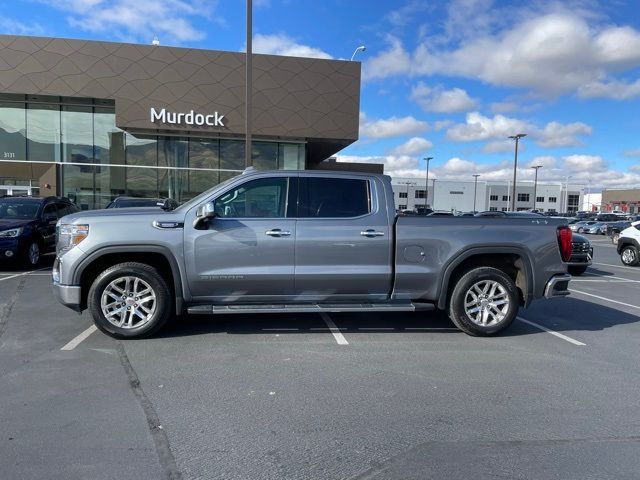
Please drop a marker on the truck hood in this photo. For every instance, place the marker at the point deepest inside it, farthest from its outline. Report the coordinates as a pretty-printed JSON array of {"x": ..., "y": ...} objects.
[{"x": 144, "y": 213}]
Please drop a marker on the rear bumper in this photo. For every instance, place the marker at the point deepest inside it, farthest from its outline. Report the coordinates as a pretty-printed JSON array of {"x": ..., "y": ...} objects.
[
  {"x": 558, "y": 286},
  {"x": 68, "y": 295}
]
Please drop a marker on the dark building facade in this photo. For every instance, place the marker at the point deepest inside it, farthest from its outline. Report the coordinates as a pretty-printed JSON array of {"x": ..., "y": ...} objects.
[{"x": 94, "y": 120}]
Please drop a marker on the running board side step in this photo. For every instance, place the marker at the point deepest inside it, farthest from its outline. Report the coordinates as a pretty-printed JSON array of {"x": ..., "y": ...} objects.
[{"x": 308, "y": 308}]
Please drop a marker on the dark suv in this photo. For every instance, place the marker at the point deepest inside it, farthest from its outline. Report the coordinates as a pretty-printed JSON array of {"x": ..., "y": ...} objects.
[{"x": 28, "y": 226}]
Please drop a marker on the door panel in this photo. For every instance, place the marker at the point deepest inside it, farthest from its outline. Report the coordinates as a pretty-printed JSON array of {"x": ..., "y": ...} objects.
[
  {"x": 340, "y": 256},
  {"x": 246, "y": 253}
]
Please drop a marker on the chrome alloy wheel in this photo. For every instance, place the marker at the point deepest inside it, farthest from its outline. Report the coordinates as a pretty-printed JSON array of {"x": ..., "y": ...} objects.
[
  {"x": 34, "y": 253},
  {"x": 628, "y": 256},
  {"x": 128, "y": 302},
  {"x": 486, "y": 303}
]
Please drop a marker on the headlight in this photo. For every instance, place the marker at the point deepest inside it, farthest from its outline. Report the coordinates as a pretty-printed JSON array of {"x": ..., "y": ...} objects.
[
  {"x": 14, "y": 232},
  {"x": 69, "y": 236}
]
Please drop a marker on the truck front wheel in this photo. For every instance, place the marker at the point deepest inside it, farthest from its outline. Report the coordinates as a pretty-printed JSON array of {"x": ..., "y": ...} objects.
[
  {"x": 484, "y": 302},
  {"x": 130, "y": 300}
]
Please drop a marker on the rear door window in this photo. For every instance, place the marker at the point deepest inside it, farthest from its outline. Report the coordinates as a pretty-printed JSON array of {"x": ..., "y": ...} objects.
[{"x": 333, "y": 197}]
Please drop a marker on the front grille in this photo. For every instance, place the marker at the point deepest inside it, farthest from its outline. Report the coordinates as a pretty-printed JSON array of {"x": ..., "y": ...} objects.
[{"x": 580, "y": 247}]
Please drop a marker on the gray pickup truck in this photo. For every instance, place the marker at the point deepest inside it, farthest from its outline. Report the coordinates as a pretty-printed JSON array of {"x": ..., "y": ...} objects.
[{"x": 303, "y": 241}]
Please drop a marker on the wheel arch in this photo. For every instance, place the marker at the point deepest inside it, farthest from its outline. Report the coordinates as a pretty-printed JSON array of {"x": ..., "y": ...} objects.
[
  {"x": 157, "y": 256},
  {"x": 514, "y": 261}
]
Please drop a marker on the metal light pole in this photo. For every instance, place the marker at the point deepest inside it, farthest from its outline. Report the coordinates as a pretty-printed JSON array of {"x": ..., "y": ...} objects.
[
  {"x": 475, "y": 190},
  {"x": 248, "y": 160},
  {"x": 517, "y": 138},
  {"x": 426, "y": 185},
  {"x": 361, "y": 48},
  {"x": 535, "y": 185}
]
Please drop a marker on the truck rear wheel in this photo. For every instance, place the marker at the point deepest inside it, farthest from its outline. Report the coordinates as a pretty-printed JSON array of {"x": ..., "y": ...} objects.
[
  {"x": 130, "y": 300},
  {"x": 484, "y": 302}
]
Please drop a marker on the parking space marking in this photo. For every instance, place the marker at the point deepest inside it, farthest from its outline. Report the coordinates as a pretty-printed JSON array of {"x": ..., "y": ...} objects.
[
  {"x": 552, "y": 332},
  {"x": 334, "y": 330},
  {"x": 79, "y": 339},
  {"x": 604, "y": 298},
  {"x": 618, "y": 266},
  {"x": 22, "y": 274}
]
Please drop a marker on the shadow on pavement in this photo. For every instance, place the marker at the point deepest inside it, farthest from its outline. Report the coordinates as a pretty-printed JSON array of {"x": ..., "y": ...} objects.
[{"x": 295, "y": 323}]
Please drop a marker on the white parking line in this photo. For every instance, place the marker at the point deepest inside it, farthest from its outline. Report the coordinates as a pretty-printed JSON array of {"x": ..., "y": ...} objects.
[
  {"x": 80, "y": 338},
  {"x": 604, "y": 298},
  {"x": 552, "y": 332},
  {"x": 334, "y": 330},
  {"x": 637, "y": 270},
  {"x": 22, "y": 274}
]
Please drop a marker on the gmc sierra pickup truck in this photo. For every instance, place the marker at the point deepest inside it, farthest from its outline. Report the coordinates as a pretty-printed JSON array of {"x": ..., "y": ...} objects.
[{"x": 303, "y": 241}]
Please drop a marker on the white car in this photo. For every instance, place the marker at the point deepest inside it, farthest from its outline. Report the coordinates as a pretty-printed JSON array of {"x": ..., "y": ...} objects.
[{"x": 629, "y": 245}]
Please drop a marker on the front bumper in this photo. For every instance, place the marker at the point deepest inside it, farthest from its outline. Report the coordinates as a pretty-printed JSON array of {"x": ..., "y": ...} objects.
[
  {"x": 68, "y": 295},
  {"x": 557, "y": 286}
]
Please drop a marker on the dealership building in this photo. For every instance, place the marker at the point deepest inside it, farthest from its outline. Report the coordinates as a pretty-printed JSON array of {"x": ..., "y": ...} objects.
[{"x": 95, "y": 120}]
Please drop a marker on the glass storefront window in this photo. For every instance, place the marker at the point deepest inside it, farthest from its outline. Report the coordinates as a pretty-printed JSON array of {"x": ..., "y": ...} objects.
[
  {"x": 77, "y": 134},
  {"x": 173, "y": 153},
  {"x": 43, "y": 132},
  {"x": 13, "y": 145},
  {"x": 110, "y": 182},
  {"x": 78, "y": 185},
  {"x": 141, "y": 150},
  {"x": 108, "y": 139},
  {"x": 141, "y": 182},
  {"x": 232, "y": 155},
  {"x": 264, "y": 155},
  {"x": 291, "y": 156}
]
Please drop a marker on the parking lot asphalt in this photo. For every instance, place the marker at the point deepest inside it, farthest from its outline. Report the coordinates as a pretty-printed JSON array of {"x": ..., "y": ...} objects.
[{"x": 353, "y": 396}]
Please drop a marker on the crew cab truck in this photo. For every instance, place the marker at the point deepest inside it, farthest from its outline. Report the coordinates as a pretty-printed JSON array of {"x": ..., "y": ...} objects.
[{"x": 303, "y": 241}]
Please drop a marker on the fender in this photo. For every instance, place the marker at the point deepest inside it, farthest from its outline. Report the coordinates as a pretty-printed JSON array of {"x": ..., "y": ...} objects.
[
  {"x": 623, "y": 241},
  {"x": 178, "y": 281},
  {"x": 461, "y": 256}
]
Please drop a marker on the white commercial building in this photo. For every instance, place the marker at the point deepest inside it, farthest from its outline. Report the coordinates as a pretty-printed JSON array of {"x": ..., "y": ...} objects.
[{"x": 458, "y": 196}]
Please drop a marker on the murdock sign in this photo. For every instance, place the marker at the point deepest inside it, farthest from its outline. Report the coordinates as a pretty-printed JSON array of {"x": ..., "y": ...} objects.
[{"x": 189, "y": 118}]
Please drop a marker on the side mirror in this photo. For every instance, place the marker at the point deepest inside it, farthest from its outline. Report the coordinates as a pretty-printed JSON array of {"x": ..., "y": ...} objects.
[
  {"x": 208, "y": 210},
  {"x": 51, "y": 217},
  {"x": 168, "y": 204}
]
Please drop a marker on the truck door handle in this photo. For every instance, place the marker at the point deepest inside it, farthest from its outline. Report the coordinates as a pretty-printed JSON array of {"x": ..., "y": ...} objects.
[
  {"x": 276, "y": 232},
  {"x": 371, "y": 233}
]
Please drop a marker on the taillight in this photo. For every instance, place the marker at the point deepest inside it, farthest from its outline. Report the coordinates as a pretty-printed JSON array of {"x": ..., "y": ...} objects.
[{"x": 564, "y": 242}]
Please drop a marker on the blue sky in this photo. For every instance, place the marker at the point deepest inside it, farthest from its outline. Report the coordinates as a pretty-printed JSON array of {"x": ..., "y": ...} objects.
[{"x": 449, "y": 80}]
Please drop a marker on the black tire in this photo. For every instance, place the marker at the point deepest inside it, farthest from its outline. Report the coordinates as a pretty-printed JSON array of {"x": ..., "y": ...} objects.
[
  {"x": 163, "y": 300},
  {"x": 28, "y": 259},
  {"x": 629, "y": 255},
  {"x": 580, "y": 230},
  {"x": 577, "y": 270},
  {"x": 457, "y": 311}
]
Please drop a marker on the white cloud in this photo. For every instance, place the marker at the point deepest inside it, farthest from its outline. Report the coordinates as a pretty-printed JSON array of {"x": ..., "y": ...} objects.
[
  {"x": 480, "y": 127},
  {"x": 632, "y": 153},
  {"x": 441, "y": 124},
  {"x": 546, "y": 161},
  {"x": 281, "y": 44},
  {"x": 171, "y": 20},
  {"x": 413, "y": 146},
  {"x": 503, "y": 107},
  {"x": 437, "y": 99},
  {"x": 616, "y": 89},
  {"x": 9, "y": 26},
  {"x": 393, "y": 61},
  {"x": 581, "y": 168},
  {"x": 551, "y": 54},
  {"x": 499, "y": 146},
  {"x": 584, "y": 163},
  {"x": 390, "y": 127}
]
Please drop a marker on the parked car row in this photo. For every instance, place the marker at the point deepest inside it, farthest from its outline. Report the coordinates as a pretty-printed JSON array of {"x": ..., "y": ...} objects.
[{"x": 28, "y": 224}]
